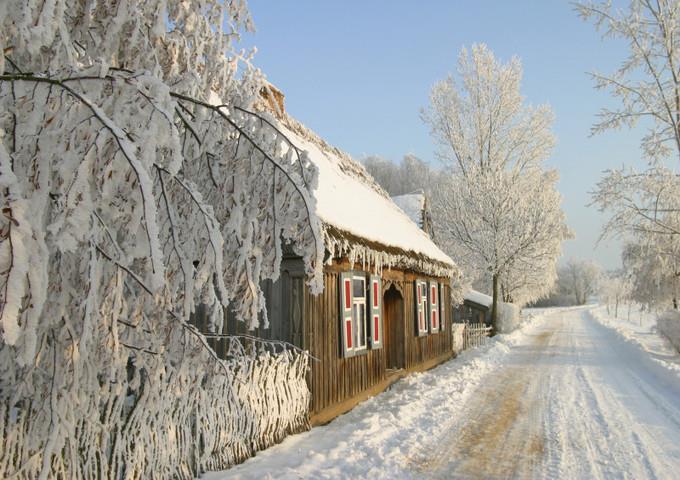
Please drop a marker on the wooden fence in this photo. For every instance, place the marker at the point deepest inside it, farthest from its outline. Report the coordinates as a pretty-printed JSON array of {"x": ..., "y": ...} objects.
[
  {"x": 205, "y": 416},
  {"x": 469, "y": 335}
]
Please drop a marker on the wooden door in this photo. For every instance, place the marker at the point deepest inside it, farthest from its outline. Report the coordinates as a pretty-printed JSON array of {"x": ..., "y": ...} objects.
[{"x": 393, "y": 319}]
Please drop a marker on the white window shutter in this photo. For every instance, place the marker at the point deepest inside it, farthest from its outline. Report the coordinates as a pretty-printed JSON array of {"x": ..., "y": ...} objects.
[
  {"x": 442, "y": 308},
  {"x": 433, "y": 306},
  {"x": 375, "y": 318},
  {"x": 420, "y": 300},
  {"x": 345, "y": 305}
]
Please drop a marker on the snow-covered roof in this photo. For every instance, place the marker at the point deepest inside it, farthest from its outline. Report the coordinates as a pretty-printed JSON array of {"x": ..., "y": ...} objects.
[
  {"x": 478, "y": 298},
  {"x": 353, "y": 204},
  {"x": 412, "y": 204}
]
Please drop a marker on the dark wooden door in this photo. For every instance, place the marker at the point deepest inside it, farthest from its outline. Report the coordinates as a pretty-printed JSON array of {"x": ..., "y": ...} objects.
[{"x": 393, "y": 304}]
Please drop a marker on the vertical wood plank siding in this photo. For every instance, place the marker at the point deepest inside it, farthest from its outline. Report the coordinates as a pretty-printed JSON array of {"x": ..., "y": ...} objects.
[
  {"x": 421, "y": 349},
  {"x": 333, "y": 379}
]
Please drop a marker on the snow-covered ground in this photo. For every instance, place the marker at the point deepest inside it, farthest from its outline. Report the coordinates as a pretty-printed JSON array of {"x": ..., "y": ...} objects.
[
  {"x": 564, "y": 397},
  {"x": 639, "y": 328}
]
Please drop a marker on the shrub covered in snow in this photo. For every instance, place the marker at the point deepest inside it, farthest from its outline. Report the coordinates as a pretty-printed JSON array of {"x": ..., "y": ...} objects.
[
  {"x": 508, "y": 317},
  {"x": 669, "y": 326},
  {"x": 137, "y": 181}
]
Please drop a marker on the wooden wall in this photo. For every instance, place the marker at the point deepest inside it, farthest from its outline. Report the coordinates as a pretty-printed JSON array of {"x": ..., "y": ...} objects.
[
  {"x": 471, "y": 312},
  {"x": 312, "y": 323},
  {"x": 334, "y": 379},
  {"x": 419, "y": 350}
]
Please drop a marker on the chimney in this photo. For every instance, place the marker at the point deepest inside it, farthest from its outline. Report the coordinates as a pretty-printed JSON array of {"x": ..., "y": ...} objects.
[{"x": 273, "y": 100}]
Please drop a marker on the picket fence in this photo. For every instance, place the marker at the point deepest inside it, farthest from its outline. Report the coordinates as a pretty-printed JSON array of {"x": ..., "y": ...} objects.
[{"x": 469, "y": 335}]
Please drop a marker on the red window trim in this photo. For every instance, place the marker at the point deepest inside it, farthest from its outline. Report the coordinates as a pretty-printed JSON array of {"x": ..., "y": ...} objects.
[
  {"x": 375, "y": 294},
  {"x": 376, "y": 328},
  {"x": 348, "y": 294},
  {"x": 348, "y": 332}
]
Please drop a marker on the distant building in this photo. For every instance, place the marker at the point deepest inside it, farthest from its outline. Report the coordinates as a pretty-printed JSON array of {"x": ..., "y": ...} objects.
[
  {"x": 417, "y": 207},
  {"x": 476, "y": 308}
]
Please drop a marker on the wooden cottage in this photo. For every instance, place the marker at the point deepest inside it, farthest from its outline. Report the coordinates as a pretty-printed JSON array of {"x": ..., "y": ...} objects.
[
  {"x": 385, "y": 308},
  {"x": 476, "y": 308}
]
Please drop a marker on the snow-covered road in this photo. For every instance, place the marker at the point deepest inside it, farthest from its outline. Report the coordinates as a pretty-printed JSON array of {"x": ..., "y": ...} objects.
[
  {"x": 566, "y": 398},
  {"x": 572, "y": 401}
]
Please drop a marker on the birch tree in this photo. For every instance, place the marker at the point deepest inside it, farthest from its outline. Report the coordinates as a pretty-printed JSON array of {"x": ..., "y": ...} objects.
[
  {"x": 498, "y": 209},
  {"x": 615, "y": 288},
  {"x": 137, "y": 179}
]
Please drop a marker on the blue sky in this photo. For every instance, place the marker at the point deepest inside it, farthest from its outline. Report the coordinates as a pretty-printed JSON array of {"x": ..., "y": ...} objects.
[{"x": 358, "y": 74}]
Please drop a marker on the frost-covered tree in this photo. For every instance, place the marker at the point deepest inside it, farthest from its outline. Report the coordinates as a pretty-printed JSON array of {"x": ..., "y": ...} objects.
[
  {"x": 644, "y": 205},
  {"x": 648, "y": 81},
  {"x": 652, "y": 263},
  {"x": 480, "y": 121},
  {"x": 579, "y": 279},
  {"x": 409, "y": 175},
  {"x": 136, "y": 180},
  {"x": 615, "y": 288},
  {"x": 504, "y": 227},
  {"x": 498, "y": 210}
]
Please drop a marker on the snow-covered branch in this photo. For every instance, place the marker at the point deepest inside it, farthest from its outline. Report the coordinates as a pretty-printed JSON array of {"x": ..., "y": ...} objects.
[{"x": 138, "y": 179}]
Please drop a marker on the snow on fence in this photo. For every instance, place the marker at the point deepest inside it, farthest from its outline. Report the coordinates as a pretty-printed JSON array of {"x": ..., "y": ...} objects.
[
  {"x": 469, "y": 335},
  {"x": 476, "y": 335},
  {"x": 200, "y": 419},
  {"x": 458, "y": 332}
]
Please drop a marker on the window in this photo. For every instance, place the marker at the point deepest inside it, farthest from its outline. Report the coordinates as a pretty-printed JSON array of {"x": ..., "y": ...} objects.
[
  {"x": 433, "y": 307},
  {"x": 421, "y": 311},
  {"x": 359, "y": 310},
  {"x": 429, "y": 308},
  {"x": 360, "y": 313}
]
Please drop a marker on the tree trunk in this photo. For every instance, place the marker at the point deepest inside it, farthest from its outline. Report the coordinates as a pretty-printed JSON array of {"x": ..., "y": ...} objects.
[
  {"x": 616, "y": 308},
  {"x": 494, "y": 305}
]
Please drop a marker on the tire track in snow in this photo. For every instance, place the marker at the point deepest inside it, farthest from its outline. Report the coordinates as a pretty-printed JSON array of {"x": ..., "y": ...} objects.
[
  {"x": 616, "y": 407},
  {"x": 568, "y": 440},
  {"x": 569, "y": 403},
  {"x": 633, "y": 414},
  {"x": 495, "y": 416}
]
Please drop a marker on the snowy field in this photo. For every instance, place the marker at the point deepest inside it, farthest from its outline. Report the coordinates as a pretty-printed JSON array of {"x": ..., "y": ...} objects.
[{"x": 564, "y": 397}]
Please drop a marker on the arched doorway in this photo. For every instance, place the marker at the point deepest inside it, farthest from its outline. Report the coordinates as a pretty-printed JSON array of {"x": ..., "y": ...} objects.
[{"x": 393, "y": 304}]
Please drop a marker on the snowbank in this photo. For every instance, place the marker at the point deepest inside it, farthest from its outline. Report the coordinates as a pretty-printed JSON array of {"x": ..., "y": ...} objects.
[
  {"x": 508, "y": 317},
  {"x": 669, "y": 326},
  {"x": 385, "y": 436},
  {"x": 640, "y": 329}
]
